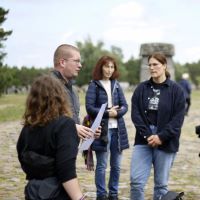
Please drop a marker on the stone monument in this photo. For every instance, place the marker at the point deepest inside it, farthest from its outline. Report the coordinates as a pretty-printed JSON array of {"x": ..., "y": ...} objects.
[{"x": 149, "y": 48}]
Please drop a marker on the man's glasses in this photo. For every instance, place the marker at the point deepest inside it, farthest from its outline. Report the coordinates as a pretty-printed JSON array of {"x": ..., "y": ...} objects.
[{"x": 73, "y": 60}]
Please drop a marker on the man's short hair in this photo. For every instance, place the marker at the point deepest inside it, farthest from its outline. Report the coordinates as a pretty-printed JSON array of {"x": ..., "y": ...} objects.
[{"x": 63, "y": 51}]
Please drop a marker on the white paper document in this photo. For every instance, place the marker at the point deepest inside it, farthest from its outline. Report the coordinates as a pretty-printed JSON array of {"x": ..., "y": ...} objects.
[{"x": 87, "y": 142}]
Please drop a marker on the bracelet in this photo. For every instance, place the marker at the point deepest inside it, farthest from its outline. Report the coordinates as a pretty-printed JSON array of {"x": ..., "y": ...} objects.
[{"x": 83, "y": 197}]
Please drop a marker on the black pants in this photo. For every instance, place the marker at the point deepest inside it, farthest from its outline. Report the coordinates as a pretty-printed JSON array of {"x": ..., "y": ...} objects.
[{"x": 187, "y": 105}]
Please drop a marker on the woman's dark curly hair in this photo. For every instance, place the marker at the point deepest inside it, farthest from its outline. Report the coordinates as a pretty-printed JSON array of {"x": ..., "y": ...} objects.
[{"x": 47, "y": 100}]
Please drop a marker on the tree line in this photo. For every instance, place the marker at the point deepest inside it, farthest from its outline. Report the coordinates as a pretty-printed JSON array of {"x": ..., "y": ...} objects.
[{"x": 90, "y": 53}]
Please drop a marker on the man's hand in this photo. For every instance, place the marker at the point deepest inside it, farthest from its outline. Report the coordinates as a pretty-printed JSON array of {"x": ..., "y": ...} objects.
[
  {"x": 97, "y": 132},
  {"x": 84, "y": 132},
  {"x": 154, "y": 141}
]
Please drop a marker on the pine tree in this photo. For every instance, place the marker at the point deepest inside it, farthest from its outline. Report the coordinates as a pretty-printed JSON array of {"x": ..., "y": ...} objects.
[
  {"x": 3, "y": 33},
  {"x": 3, "y": 36}
]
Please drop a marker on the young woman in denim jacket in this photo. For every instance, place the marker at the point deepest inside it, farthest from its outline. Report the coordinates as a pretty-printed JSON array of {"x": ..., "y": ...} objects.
[
  {"x": 158, "y": 106},
  {"x": 113, "y": 140}
]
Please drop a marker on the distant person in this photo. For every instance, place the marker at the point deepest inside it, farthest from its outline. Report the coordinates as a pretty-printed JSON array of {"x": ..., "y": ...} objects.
[
  {"x": 157, "y": 112},
  {"x": 104, "y": 88},
  {"x": 48, "y": 143},
  {"x": 67, "y": 64},
  {"x": 185, "y": 84}
]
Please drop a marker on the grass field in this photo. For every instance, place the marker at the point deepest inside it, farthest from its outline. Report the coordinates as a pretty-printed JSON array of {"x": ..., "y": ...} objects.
[{"x": 12, "y": 106}]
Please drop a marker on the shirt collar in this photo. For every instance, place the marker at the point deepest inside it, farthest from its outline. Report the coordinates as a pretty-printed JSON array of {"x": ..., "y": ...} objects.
[{"x": 167, "y": 82}]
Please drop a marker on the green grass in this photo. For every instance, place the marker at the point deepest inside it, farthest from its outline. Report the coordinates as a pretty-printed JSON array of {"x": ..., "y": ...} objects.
[
  {"x": 81, "y": 97},
  {"x": 196, "y": 94},
  {"x": 12, "y": 107},
  {"x": 195, "y": 99}
]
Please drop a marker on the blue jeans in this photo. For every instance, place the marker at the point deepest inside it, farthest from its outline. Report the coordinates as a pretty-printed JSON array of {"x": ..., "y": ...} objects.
[
  {"x": 115, "y": 160},
  {"x": 143, "y": 157}
]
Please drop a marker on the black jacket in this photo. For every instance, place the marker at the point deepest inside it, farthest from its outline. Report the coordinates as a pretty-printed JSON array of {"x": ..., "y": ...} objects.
[
  {"x": 170, "y": 114},
  {"x": 58, "y": 141},
  {"x": 72, "y": 94}
]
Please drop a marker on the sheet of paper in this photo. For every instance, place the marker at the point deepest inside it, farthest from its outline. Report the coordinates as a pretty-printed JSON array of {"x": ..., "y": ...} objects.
[{"x": 86, "y": 143}]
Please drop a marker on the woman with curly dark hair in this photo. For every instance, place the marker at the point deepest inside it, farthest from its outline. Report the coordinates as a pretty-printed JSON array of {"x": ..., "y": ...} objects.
[{"x": 48, "y": 143}]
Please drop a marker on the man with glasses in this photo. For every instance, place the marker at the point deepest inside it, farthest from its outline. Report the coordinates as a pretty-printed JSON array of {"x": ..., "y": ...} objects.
[{"x": 67, "y": 64}]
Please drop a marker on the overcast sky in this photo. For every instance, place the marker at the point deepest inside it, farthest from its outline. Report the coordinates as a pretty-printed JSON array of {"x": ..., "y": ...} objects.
[{"x": 39, "y": 26}]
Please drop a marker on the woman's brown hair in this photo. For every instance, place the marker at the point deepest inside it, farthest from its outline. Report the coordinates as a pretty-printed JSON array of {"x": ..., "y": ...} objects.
[
  {"x": 46, "y": 101},
  {"x": 162, "y": 59},
  {"x": 97, "y": 71}
]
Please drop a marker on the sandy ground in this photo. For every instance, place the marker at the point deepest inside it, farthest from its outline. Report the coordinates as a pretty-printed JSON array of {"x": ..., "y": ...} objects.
[{"x": 185, "y": 175}]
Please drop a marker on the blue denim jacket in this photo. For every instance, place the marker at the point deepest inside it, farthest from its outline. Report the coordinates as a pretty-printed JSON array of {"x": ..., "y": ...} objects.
[{"x": 170, "y": 114}]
